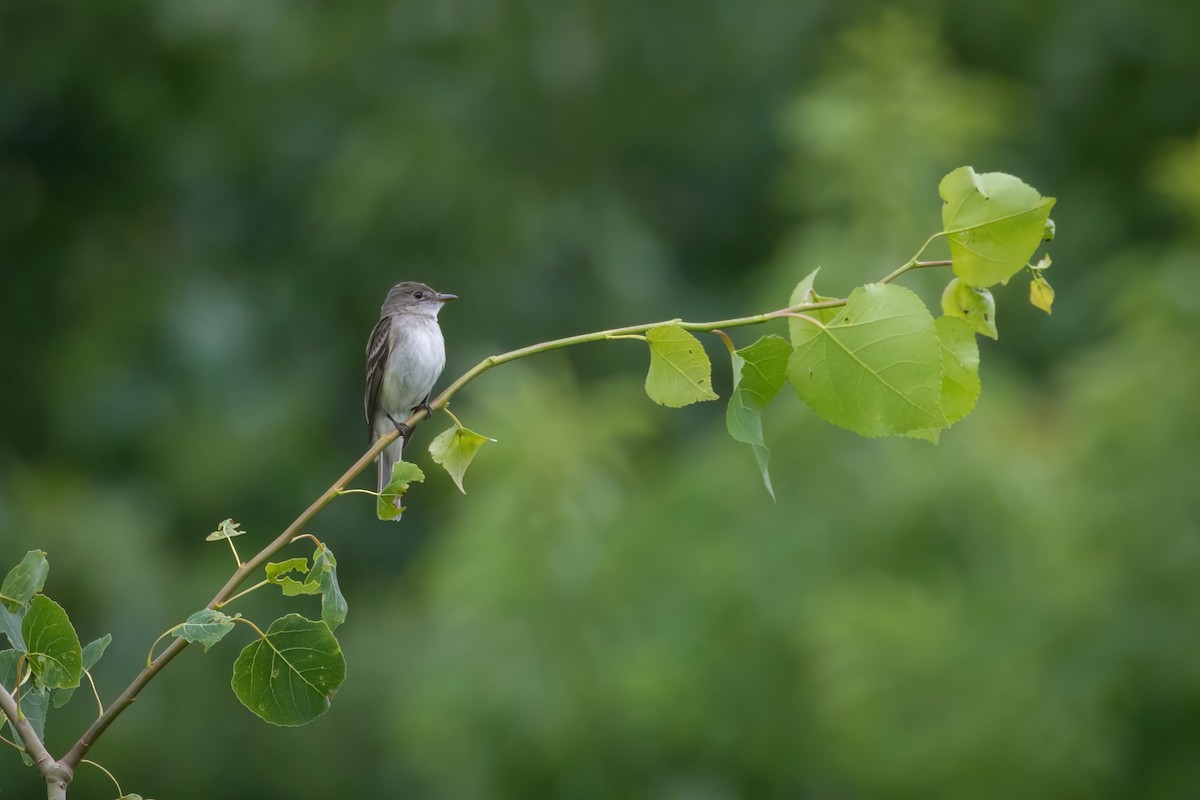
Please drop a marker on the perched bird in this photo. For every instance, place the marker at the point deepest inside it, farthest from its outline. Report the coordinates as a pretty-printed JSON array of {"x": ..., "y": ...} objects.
[{"x": 405, "y": 356}]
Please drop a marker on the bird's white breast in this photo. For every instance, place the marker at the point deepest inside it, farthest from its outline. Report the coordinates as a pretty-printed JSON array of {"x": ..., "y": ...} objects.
[{"x": 418, "y": 354}]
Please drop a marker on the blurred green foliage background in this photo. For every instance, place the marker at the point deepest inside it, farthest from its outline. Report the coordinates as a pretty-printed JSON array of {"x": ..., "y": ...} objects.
[{"x": 202, "y": 205}]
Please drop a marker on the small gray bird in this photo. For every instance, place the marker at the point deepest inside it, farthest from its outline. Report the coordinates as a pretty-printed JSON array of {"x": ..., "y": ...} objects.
[{"x": 405, "y": 356}]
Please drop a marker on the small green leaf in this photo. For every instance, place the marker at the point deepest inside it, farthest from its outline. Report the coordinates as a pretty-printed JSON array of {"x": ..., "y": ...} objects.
[
  {"x": 876, "y": 368},
  {"x": 804, "y": 293},
  {"x": 455, "y": 448},
  {"x": 10, "y": 626},
  {"x": 976, "y": 306},
  {"x": 289, "y": 676},
  {"x": 226, "y": 530},
  {"x": 24, "y": 580},
  {"x": 54, "y": 652},
  {"x": 92, "y": 652},
  {"x": 1041, "y": 293},
  {"x": 680, "y": 373},
  {"x": 403, "y": 473},
  {"x": 205, "y": 628},
  {"x": 278, "y": 573},
  {"x": 993, "y": 222},
  {"x": 324, "y": 572},
  {"x": 759, "y": 372}
]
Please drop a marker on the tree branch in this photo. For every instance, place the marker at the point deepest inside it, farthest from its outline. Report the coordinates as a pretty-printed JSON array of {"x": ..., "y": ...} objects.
[
  {"x": 57, "y": 775},
  {"x": 89, "y": 737}
]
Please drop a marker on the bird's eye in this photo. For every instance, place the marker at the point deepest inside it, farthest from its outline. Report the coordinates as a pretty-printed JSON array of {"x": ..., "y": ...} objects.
[{"x": 419, "y": 295}]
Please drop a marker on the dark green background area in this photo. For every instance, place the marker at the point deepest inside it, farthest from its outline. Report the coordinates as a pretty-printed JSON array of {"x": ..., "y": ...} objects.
[{"x": 202, "y": 205}]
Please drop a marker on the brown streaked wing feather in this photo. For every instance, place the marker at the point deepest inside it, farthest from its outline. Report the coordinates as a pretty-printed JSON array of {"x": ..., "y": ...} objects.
[{"x": 377, "y": 357}]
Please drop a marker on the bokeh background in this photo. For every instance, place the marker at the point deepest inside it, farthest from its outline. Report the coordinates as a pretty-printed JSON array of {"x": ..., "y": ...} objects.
[{"x": 202, "y": 205}]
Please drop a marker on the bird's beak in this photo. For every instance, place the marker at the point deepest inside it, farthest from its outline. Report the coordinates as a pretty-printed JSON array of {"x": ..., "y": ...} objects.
[{"x": 446, "y": 298}]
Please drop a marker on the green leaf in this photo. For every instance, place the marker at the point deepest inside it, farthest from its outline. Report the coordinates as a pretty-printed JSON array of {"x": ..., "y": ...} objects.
[
  {"x": 977, "y": 306},
  {"x": 54, "y": 652},
  {"x": 680, "y": 372},
  {"x": 759, "y": 372},
  {"x": 960, "y": 373},
  {"x": 24, "y": 580},
  {"x": 876, "y": 368},
  {"x": 455, "y": 448},
  {"x": 226, "y": 530},
  {"x": 993, "y": 222},
  {"x": 289, "y": 676},
  {"x": 205, "y": 628},
  {"x": 324, "y": 572},
  {"x": 403, "y": 473},
  {"x": 278, "y": 573},
  {"x": 10, "y": 626},
  {"x": 92, "y": 652},
  {"x": 804, "y": 293},
  {"x": 1041, "y": 293}
]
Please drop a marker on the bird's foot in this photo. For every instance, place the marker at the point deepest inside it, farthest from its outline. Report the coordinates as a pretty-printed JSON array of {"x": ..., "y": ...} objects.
[
  {"x": 405, "y": 430},
  {"x": 424, "y": 406}
]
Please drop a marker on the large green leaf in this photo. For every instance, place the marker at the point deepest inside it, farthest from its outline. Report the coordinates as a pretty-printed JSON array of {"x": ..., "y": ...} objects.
[
  {"x": 455, "y": 448},
  {"x": 403, "y": 473},
  {"x": 205, "y": 628},
  {"x": 759, "y": 372},
  {"x": 324, "y": 572},
  {"x": 24, "y": 580},
  {"x": 994, "y": 222},
  {"x": 680, "y": 372},
  {"x": 960, "y": 372},
  {"x": 53, "y": 646},
  {"x": 289, "y": 676},
  {"x": 876, "y": 368}
]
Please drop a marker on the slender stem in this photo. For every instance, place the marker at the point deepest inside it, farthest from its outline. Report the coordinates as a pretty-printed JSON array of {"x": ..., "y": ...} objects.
[
  {"x": 97, "y": 728},
  {"x": 11, "y": 743},
  {"x": 120, "y": 793},
  {"x": 95, "y": 691},
  {"x": 257, "y": 629},
  {"x": 320, "y": 545},
  {"x": 446, "y": 408},
  {"x": 913, "y": 263},
  {"x": 358, "y": 491},
  {"x": 236, "y": 557},
  {"x": 243, "y": 593}
]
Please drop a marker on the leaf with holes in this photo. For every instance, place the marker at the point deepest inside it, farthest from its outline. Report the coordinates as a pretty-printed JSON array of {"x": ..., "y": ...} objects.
[
  {"x": 976, "y": 306},
  {"x": 680, "y": 372},
  {"x": 226, "y": 530},
  {"x": 388, "y": 505},
  {"x": 205, "y": 628},
  {"x": 288, "y": 676},
  {"x": 279, "y": 573},
  {"x": 994, "y": 222},
  {"x": 876, "y": 368}
]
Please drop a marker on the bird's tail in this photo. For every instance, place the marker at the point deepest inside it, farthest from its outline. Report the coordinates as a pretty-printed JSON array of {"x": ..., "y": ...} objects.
[{"x": 387, "y": 459}]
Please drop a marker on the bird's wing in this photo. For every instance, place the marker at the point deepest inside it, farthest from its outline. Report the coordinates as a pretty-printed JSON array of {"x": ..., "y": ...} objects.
[{"x": 378, "y": 349}]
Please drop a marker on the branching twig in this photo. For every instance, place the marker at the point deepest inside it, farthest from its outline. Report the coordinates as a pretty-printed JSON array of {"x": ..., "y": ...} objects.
[{"x": 246, "y": 569}]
